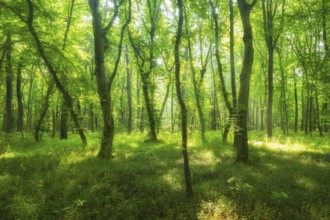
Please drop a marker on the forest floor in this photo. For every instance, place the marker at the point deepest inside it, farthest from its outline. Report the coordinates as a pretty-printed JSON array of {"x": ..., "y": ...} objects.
[{"x": 287, "y": 177}]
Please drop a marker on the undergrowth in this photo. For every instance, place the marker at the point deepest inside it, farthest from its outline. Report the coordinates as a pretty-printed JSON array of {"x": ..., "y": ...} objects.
[{"x": 287, "y": 177}]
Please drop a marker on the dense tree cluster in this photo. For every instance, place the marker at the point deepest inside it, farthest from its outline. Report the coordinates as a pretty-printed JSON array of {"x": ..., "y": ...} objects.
[{"x": 164, "y": 66}]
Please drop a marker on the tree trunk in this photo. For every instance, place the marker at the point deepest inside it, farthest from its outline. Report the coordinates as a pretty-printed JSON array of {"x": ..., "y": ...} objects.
[
  {"x": 318, "y": 115},
  {"x": 52, "y": 71},
  {"x": 19, "y": 96},
  {"x": 150, "y": 109},
  {"x": 64, "y": 121},
  {"x": 92, "y": 117},
  {"x": 241, "y": 134},
  {"x": 9, "y": 87},
  {"x": 159, "y": 124},
  {"x": 220, "y": 72},
  {"x": 39, "y": 125},
  {"x": 189, "y": 191},
  {"x": 269, "y": 117},
  {"x": 103, "y": 84},
  {"x": 129, "y": 93},
  {"x": 296, "y": 107}
]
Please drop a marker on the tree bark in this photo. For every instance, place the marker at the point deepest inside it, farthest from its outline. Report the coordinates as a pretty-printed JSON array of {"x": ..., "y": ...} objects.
[
  {"x": 129, "y": 93},
  {"x": 39, "y": 125},
  {"x": 53, "y": 73},
  {"x": 187, "y": 175},
  {"x": 19, "y": 96},
  {"x": 103, "y": 84},
  {"x": 64, "y": 121},
  {"x": 220, "y": 72},
  {"x": 296, "y": 107},
  {"x": 9, "y": 87},
  {"x": 241, "y": 134}
]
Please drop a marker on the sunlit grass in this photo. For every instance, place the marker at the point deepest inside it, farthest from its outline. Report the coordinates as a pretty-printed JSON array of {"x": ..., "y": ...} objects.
[{"x": 286, "y": 178}]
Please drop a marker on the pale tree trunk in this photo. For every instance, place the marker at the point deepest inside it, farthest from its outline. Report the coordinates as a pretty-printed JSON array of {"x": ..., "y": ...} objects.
[
  {"x": 187, "y": 175},
  {"x": 220, "y": 71}
]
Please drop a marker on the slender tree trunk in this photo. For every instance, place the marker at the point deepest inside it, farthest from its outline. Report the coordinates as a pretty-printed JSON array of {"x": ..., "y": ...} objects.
[
  {"x": 269, "y": 118},
  {"x": 92, "y": 117},
  {"x": 318, "y": 115},
  {"x": 53, "y": 72},
  {"x": 19, "y": 96},
  {"x": 159, "y": 124},
  {"x": 129, "y": 93},
  {"x": 241, "y": 135},
  {"x": 39, "y": 125},
  {"x": 310, "y": 116},
  {"x": 54, "y": 120},
  {"x": 261, "y": 114},
  {"x": 64, "y": 121},
  {"x": 9, "y": 87},
  {"x": 220, "y": 72},
  {"x": 187, "y": 175},
  {"x": 29, "y": 102},
  {"x": 303, "y": 111},
  {"x": 172, "y": 108},
  {"x": 296, "y": 107}
]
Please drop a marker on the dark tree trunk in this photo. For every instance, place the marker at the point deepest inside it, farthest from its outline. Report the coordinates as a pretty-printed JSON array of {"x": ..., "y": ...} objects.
[
  {"x": 52, "y": 71},
  {"x": 172, "y": 108},
  {"x": 310, "y": 116},
  {"x": 103, "y": 84},
  {"x": 318, "y": 115},
  {"x": 64, "y": 121},
  {"x": 189, "y": 191},
  {"x": 261, "y": 114},
  {"x": 54, "y": 120},
  {"x": 92, "y": 117},
  {"x": 9, "y": 87},
  {"x": 19, "y": 96},
  {"x": 241, "y": 135},
  {"x": 296, "y": 107},
  {"x": 29, "y": 102},
  {"x": 303, "y": 111},
  {"x": 39, "y": 125},
  {"x": 129, "y": 94}
]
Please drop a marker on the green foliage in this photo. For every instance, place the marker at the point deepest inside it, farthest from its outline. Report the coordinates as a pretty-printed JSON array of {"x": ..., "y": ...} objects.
[{"x": 286, "y": 178}]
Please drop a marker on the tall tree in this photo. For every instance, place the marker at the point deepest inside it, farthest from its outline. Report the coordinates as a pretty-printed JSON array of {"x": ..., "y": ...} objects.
[
  {"x": 52, "y": 70},
  {"x": 9, "y": 86},
  {"x": 241, "y": 134},
  {"x": 189, "y": 190},
  {"x": 104, "y": 82},
  {"x": 269, "y": 9},
  {"x": 19, "y": 97},
  {"x": 146, "y": 63}
]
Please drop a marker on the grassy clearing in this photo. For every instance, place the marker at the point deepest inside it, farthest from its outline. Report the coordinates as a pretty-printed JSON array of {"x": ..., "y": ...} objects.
[{"x": 286, "y": 178}]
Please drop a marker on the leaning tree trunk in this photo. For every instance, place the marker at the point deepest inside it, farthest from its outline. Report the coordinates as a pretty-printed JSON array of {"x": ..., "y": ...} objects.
[
  {"x": 43, "y": 113},
  {"x": 187, "y": 175},
  {"x": 241, "y": 135},
  {"x": 52, "y": 71}
]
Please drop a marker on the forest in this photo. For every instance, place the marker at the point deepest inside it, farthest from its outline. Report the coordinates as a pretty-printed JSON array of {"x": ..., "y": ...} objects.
[{"x": 160, "y": 109}]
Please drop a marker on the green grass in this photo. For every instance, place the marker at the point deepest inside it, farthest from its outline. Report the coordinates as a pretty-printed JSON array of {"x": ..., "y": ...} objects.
[{"x": 286, "y": 178}]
